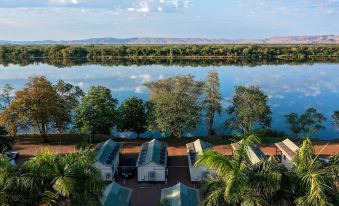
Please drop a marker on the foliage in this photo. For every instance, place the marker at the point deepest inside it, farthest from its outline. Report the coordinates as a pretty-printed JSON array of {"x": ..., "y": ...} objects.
[
  {"x": 313, "y": 180},
  {"x": 308, "y": 181},
  {"x": 133, "y": 116},
  {"x": 249, "y": 109},
  {"x": 237, "y": 181},
  {"x": 6, "y": 142},
  {"x": 92, "y": 52},
  {"x": 49, "y": 179},
  {"x": 293, "y": 121},
  {"x": 68, "y": 100},
  {"x": 83, "y": 144},
  {"x": 164, "y": 203},
  {"x": 35, "y": 105},
  {"x": 9, "y": 119},
  {"x": 7, "y": 176},
  {"x": 97, "y": 112},
  {"x": 308, "y": 123},
  {"x": 176, "y": 105},
  {"x": 212, "y": 99}
]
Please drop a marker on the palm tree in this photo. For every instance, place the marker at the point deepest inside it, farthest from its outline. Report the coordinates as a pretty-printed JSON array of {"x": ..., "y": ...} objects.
[
  {"x": 237, "y": 181},
  {"x": 49, "y": 179},
  {"x": 89, "y": 185},
  {"x": 7, "y": 183},
  {"x": 314, "y": 180}
]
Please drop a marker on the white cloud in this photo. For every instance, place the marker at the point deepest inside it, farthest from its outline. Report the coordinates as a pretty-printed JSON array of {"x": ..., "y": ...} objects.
[
  {"x": 141, "y": 6},
  {"x": 65, "y": 1},
  {"x": 144, "y": 6}
]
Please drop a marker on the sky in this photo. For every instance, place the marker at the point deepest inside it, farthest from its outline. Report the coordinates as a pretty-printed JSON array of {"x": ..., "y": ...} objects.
[{"x": 231, "y": 19}]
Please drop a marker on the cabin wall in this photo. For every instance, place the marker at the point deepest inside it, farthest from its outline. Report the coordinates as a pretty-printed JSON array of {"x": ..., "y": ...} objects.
[
  {"x": 252, "y": 156},
  {"x": 107, "y": 172},
  {"x": 116, "y": 164},
  {"x": 197, "y": 173},
  {"x": 159, "y": 171},
  {"x": 285, "y": 161}
]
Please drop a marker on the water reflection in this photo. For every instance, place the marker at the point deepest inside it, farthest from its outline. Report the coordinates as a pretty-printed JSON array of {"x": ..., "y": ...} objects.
[{"x": 290, "y": 88}]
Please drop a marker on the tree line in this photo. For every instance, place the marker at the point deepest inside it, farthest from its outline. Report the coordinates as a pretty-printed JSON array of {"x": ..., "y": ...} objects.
[
  {"x": 168, "y": 51},
  {"x": 193, "y": 62},
  {"x": 176, "y": 106}
]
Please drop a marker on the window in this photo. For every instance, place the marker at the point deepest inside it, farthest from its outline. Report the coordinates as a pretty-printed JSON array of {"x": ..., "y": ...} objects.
[{"x": 108, "y": 176}]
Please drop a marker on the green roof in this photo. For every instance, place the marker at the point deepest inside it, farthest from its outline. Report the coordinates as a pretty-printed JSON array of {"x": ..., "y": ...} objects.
[
  {"x": 116, "y": 195},
  {"x": 180, "y": 195},
  {"x": 108, "y": 151},
  {"x": 153, "y": 151}
]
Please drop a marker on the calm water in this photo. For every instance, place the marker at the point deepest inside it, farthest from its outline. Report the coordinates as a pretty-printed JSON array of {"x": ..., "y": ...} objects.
[{"x": 290, "y": 88}]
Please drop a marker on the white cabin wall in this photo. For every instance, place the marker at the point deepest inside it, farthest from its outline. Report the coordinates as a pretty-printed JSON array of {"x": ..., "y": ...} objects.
[
  {"x": 285, "y": 161},
  {"x": 160, "y": 172},
  {"x": 116, "y": 164}
]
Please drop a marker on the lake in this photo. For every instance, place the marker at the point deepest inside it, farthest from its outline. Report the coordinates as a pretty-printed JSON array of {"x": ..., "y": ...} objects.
[{"x": 291, "y": 88}]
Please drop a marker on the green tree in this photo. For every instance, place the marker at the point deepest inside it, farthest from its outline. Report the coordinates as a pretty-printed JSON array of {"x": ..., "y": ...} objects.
[
  {"x": 176, "y": 105},
  {"x": 69, "y": 96},
  {"x": 237, "y": 181},
  {"x": 133, "y": 116},
  {"x": 293, "y": 121},
  {"x": 8, "y": 195},
  {"x": 6, "y": 143},
  {"x": 97, "y": 112},
  {"x": 313, "y": 182},
  {"x": 307, "y": 123},
  {"x": 34, "y": 105},
  {"x": 249, "y": 109},
  {"x": 212, "y": 99},
  {"x": 312, "y": 121},
  {"x": 150, "y": 121},
  {"x": 48, "y": 178},
  {"x": 9, "y": 119}
]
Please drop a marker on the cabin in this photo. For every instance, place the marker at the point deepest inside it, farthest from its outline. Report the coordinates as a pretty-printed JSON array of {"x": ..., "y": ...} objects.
[
  {"x": 194, "y": 149},
  {"x": 152, "y": 162},
  {"x": 286, "y": 151},
  {"x": 107, "y": 159},
  {"x": 180, "y": 195},
  {"x": 116, "y": 195},
  {"x": 254, "y": 153}
]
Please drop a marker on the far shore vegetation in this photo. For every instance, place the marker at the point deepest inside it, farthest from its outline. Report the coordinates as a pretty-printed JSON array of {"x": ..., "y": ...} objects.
[{"x": 183, "y": 55}]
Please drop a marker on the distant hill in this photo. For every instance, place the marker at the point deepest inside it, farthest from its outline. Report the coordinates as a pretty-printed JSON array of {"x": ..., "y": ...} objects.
[
  {"x": 323, "y": 39},
  {"x": 320, "y": 39}
]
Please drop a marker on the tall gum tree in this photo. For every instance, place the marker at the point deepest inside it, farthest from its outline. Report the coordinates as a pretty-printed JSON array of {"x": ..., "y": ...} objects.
[
  {"x": 96, "y": 114},
  {"x": 212, "y": 99},
  {"x": 35, "y": 105},
  {"x": 176, "y": 104},
  {"x": 249, "y": 110}
]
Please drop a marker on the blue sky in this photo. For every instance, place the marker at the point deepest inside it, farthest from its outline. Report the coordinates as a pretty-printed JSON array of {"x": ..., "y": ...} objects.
[{"x": 233, "y": 19}]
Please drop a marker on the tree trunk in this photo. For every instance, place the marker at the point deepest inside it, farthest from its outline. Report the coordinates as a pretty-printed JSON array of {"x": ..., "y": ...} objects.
[
  {"x": 91, "y": 137},
  {"x": 210, "y": 125},
  {"x": 138, "y": 135},
  {"x": 44, "y": 132}
]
